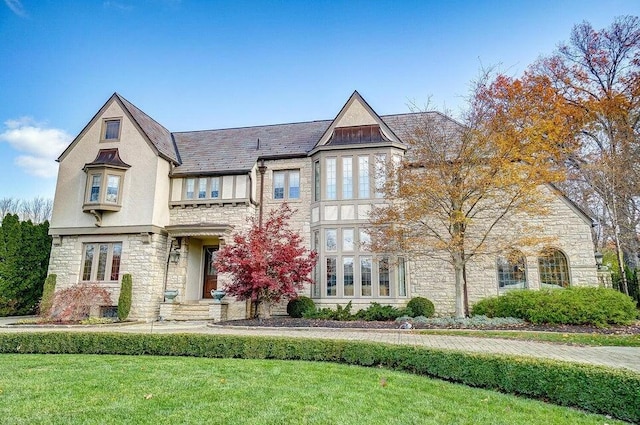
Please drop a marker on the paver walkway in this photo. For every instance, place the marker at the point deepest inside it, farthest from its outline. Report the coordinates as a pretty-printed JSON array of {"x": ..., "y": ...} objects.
[{"x": 616, "y": 357}]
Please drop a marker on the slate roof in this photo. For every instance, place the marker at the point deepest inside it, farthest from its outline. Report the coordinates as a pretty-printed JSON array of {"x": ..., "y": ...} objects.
[
  {"x": 237, "y": 149},
  {"x": 159, "y": 136}
]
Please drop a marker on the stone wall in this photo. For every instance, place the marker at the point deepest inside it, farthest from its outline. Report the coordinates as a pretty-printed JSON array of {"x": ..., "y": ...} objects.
[
  {"x": 562, "y": 228},
  {"x": 143, "y": 256}
]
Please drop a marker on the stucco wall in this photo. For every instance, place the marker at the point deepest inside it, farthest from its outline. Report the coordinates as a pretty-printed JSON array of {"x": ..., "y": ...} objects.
[{"x": 145, "y": 189}]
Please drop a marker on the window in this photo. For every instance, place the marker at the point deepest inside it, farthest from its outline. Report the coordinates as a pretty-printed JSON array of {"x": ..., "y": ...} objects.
[
  {"x": 316, "y": 181},
  {"x": 105, "y": 176},
  {"x": 383, "y": 277},
  {"x": 202, "y": 188},
  {"x": 402, "y": 278},
  {"x": 365, "y": 240},
  {"x": 347, "y": 239},
  {"x": 331, "y": 276},
  {"x": 101, "y": 261},
  {"x": 511, "y": 271},
  {"x": 111, "y": 129},
  {"x": 286, "y": 184},
  {"x": 553, "y": 269},
  {"x": 215, "y": 187},
  {"x": 113, "y": 187},
  {"x": 365, "y": 276},
  {"x": 315, "y": 291},
  {"x": 331, "y": 178},
  {"x": 347, "y": 177},
  {"x": 331, "y": 240},
  {"x": 347, "y": 275},
  {"x": 363, "y": 177},
  {"x": 103, "y": 192},
  {"x": 94, "y": 194},
  {"x": 381, "y": 175},
  {"x": 190, "y": 187}
]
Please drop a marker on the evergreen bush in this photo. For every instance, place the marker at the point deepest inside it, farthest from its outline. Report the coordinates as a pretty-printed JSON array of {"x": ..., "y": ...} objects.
[
  {"x": 421, "y": 306},
  {"x": 47, "y": 295},
  {"x": 572, "y": 306},
  {"x": 300, "y": 305},
  {"x": 124, "y": 301}
]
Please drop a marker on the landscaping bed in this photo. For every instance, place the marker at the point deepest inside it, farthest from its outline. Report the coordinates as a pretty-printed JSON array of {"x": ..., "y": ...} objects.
[{"x": 289, "y": 322}]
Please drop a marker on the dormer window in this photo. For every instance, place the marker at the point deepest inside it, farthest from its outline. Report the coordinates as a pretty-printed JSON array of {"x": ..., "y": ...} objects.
[
  {"x": 104, "y": 182},
  {"x": 111, "y": 129}
]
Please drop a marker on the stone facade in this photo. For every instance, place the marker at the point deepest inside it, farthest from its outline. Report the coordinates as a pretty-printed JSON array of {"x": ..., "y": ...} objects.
[{"x": 184, "y": 195}]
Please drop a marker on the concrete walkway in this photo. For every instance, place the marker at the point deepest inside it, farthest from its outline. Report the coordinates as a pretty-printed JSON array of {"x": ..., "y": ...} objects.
[{"x": 615, "y": 357}]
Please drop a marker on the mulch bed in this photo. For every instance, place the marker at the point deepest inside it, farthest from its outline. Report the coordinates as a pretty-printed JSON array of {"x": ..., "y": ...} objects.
[{"x": 289, "y": 322}]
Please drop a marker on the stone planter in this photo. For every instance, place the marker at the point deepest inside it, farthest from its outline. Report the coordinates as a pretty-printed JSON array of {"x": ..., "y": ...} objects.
[
  {"x": 170, "y": 295},
  {"x": 218, "y": 295}
]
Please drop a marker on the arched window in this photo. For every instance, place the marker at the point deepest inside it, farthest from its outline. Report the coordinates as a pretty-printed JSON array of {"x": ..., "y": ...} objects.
[
  {"x": 553, "y": 268},
  {"x": 512, "y": 272}
]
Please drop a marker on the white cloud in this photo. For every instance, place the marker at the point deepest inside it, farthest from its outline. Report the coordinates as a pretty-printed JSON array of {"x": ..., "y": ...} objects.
[
  {"x": 16, "y": 7},
  {"x": 40, "y": 145}
]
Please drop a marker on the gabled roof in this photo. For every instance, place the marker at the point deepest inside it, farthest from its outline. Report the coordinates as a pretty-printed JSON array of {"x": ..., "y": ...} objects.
[
  {"x": 356, "y": 98},
  {"x": 158, "y": 137}
]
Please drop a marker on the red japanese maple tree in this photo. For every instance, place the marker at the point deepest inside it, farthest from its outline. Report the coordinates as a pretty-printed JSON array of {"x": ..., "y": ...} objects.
[{"x": 268, "y": 263}]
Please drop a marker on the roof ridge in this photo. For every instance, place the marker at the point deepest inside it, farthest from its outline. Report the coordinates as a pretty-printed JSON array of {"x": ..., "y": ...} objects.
[{"x": 252, "y": 126}]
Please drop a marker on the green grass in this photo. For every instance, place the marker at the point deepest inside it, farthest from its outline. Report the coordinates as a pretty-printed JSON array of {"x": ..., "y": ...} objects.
[
  {"x": 556, "y": 337},
  {"x": 91, "y": 389}
]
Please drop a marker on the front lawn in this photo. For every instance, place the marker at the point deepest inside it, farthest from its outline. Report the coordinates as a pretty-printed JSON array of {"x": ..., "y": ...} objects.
[{"x": 107, "y": 389}]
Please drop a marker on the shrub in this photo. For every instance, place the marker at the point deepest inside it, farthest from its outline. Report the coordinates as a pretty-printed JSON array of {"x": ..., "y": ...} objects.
[
  {"x": 124, "y": 300},
  {"x": 421, "y": 306},
  {"x": 298, "y": 306},
  {"x": 571, "y": 306},
  {"x": 47, "y": 295},
  {"x": 378, "y": 312},
  {"x": 592, "y": 388},
  {"x": 74, "y": 303}
]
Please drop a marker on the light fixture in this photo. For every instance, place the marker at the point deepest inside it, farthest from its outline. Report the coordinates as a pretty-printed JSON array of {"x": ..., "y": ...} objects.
[
  {"x": 174, "y": 254},
  {"x": 598, "y": 256}
]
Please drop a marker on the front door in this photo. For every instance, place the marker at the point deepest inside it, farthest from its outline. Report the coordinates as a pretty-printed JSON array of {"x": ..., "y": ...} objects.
[{"x": 210, "y": 273}]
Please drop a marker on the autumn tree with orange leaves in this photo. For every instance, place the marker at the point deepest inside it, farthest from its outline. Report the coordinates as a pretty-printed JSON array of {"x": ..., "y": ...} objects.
[
  {"x": 597, "y": 75},
  {"x": 459, "y": 183}
]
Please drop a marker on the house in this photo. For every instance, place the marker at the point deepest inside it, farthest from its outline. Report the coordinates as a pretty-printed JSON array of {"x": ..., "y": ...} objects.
[{"x": 134, "y": 197}]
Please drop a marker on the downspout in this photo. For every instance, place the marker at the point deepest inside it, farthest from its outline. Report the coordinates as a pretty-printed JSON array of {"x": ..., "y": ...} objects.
[{"x": 262, "y": 169}]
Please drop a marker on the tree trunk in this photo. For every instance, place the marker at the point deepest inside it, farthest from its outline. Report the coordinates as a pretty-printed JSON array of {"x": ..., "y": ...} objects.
[
  {"x": 263, "y": 310},
  {"x": 458, "y": 267},
  {"x": 466, "y": 291}
]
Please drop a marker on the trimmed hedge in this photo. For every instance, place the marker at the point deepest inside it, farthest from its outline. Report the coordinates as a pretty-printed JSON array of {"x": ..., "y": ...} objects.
[
  {"x": 595, "y": 389},
  {"x": 571, "y": 306},
  {"x": 124, "y": 300}
]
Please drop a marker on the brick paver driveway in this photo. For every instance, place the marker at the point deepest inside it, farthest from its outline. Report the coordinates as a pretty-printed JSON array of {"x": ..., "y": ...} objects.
[{"x": 616, "y": 357}]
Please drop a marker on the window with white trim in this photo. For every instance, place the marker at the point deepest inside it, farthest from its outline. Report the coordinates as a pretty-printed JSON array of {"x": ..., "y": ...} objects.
[
  {"x": 364, "y": 191},
  {"x": 381, "y": 174},
  {"x": 347, "y": 177},
  {"x": 101, "y": 261},
  {"x": 331, "y": 178}
]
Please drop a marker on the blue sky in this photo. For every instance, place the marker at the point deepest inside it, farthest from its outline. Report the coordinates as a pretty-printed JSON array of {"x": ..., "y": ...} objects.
[{"x": 195, "y": 65}]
